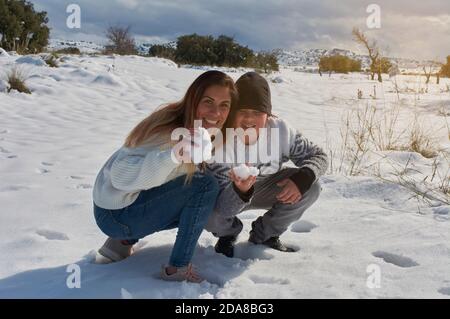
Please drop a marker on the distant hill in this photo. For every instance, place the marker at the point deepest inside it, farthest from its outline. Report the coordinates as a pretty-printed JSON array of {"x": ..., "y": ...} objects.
[
  {"x": 83, "y": 46},
  {"x": 309, "y": 59},
  {"x": 306, "y": 59}
]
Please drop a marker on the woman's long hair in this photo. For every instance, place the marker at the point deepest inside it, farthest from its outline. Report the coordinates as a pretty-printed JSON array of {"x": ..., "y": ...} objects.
[{"x": 156, "y": 129}]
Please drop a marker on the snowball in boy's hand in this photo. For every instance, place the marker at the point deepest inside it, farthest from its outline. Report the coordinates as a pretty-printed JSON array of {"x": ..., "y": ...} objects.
[
  {"x": 253, "y": 171},
  {"x": 203, "y": 150},
  {"x": 243, "y": 171}
]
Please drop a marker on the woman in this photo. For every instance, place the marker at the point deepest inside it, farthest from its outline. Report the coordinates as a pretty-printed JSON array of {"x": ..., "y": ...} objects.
[{"x": 142, "y": 190}]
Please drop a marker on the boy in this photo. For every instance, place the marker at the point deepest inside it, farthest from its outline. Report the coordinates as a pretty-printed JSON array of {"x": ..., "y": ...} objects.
[{"x": 286, "y": 193}]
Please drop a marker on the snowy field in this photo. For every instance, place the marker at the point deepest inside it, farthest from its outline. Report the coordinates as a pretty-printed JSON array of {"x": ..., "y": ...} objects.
[{"x": 54, "y": 141}]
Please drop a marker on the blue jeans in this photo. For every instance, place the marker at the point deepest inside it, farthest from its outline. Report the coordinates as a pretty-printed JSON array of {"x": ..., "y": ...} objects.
[{"x": 173, "y": 204}]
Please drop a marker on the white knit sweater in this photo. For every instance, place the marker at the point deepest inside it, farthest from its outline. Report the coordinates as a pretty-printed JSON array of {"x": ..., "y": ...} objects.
[{"x": 129, "y": 171}]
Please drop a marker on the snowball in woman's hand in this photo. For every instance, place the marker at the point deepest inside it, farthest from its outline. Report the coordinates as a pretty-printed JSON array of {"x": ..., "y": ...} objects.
[{"x": 243, "y": 171}]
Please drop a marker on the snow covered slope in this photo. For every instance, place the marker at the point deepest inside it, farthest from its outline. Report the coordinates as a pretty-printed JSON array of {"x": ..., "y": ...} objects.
[{"x": 54, "y": 141}]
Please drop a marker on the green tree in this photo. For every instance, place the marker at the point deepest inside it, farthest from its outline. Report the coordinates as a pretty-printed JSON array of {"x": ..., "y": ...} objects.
[
  {"x": 195, "y": 49},
  {"x": 22, "y": 29},
  {"x": 355, "y": 65},
  {"x": 221, "y": 51},
  {"x": 265, "y": 61},
  {"x": 381, "y": 65},
  {"x": 162, "y": 51},
  {"x": 230, "y": 53},
  {"x": 207, "y": 50},
  {"x": 338, "y": 64}
]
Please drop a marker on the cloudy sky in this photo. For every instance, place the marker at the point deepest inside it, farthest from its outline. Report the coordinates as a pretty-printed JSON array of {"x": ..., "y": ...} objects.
[{"x": 409, "y": 28}]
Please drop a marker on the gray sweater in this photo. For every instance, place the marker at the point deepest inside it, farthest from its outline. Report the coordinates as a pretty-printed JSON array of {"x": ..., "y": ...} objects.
[{"x": 311, "y": 160}]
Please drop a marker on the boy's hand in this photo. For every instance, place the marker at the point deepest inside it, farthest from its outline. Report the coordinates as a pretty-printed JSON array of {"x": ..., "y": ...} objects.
[
  {"x": 290, "y": 193},
  {"x": 243, "y": 185}
]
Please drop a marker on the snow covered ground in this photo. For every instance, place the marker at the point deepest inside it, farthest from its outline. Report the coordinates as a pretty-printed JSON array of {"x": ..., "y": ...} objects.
[{"x": 364, "y": 238}]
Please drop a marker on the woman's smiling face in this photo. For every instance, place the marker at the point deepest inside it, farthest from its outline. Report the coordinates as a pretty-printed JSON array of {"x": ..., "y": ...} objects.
[{"x": 214, "y": 106}]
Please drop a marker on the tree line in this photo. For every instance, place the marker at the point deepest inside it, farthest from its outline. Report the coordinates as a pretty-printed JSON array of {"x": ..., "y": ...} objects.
[{"x": 221, "y": 51}]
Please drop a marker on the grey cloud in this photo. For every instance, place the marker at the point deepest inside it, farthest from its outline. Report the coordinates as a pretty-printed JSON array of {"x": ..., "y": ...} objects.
[{"x": 406, "y": 27}]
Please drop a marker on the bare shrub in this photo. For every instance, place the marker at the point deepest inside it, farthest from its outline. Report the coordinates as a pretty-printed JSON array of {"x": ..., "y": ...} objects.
[
  {"x": 16, "y": 79},
  {"x": 121, "y": 41}
]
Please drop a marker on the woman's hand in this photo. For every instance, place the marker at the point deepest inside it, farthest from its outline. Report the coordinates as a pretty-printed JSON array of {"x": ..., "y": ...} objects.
[
  {"x": 181, "y": 152},
  {"x": 187, "y": 150},
  {"x": 290, "y": 193},
  {"x": 243, "y": 185}
]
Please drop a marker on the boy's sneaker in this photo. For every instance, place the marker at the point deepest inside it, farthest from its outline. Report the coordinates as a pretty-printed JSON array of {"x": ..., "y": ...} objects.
[
  {"x": 186, "y": 273},
  {"x": 225, "y": 245},
  {"x": 115, "y": 250}
]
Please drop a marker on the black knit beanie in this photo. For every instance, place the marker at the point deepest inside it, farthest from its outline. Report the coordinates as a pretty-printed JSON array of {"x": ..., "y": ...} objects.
[{"x": 254, "y": 93}]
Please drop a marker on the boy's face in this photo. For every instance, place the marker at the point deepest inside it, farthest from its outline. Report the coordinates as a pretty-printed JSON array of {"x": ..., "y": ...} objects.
[{"x": 248, "y": 118}]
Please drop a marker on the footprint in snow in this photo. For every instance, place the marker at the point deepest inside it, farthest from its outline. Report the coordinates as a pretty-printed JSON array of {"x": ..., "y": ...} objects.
[
  {"x": 303, "y": 226},
  {"x": 51, "y": 235},
  {"x": 248, "y": 251},
  {"x": 84, "y": 186},
  {"x": 442, "y": 213},
  {"x": 47, "y": 164},
  {"x": 4, "y": 150},
  {"x": 268, "y": 280},
  {"x": 41, "y": 170},
  {"x": 327, "y": 180},
  {"x": 75, "y": 177},
  {"x": 12, "y": 188},
  {"x": 397, "y": 260}
]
